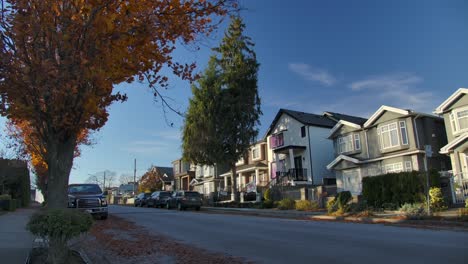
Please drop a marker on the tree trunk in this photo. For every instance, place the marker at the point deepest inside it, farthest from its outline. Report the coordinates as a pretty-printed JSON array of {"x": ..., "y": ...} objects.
[
  {"x": 234, "y": 194},
  {"x": 60, "y": 162}
]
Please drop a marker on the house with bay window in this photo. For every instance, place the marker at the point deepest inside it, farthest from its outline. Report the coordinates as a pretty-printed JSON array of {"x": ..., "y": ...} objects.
[
  {"x": 455, "y": 113},
  {"x": 298, "y": 149},
  {"x": 391, "y": 140}
]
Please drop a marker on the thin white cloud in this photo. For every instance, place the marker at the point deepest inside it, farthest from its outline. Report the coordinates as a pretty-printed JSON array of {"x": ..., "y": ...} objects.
[
  {"x": 309, "y": 73},
  {"x": 387, "y": 82}
]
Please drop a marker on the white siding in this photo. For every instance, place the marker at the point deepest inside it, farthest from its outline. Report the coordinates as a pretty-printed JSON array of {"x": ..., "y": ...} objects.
[{"x": 322, "y": 153}]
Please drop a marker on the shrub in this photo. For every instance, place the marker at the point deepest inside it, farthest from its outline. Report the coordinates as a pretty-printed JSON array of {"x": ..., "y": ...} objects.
[
  {"x": 287, "y": 204},
  {"x": 395, "y": 188},
  {"x": 389, "y": 206},
  {"x": 436, "y": 199},
  {"x": 58, "y": 226},
  {"x": 267, "y": 195},
  {"x": 466, "y": 203},
  {"x": 463, "y": 214},
  {"x": 267, "y": 204},
  {"x": 342, "y": 200},
  {"x": 332, "y": 205},
  {"x": 413, "y": 211},
  {"x": 305, "y": 205},
  {"x": 5, "y": 197}
]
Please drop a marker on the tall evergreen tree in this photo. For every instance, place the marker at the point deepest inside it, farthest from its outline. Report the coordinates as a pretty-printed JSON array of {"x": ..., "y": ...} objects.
[{"x": 226, "y": 105}]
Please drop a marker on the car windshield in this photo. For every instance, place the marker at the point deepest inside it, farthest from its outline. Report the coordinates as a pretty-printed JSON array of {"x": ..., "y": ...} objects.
[
  {"x": 84, "y": 188},
  {"x": 192, "y": 194},
  {"x": 165, "y": 194}
]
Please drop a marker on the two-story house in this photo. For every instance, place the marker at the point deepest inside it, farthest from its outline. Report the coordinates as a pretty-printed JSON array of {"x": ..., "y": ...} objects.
[
  {"x": 252, "y": 169},
  {"x": 207, "y": 179},
  {"x": 391, "y": 140},
  {"x": 298, "y": 149},
  {"x": 184, "y": 173},
  {"x": 455, "y": 113}
]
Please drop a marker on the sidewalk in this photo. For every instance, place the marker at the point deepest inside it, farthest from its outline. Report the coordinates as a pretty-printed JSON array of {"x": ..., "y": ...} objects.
[
  {"x": 15, "y": 240},
  {"x": 265, "y": 212}
]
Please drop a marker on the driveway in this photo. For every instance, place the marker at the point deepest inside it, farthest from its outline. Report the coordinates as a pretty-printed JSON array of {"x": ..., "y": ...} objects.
[{"x": 271, "y": 240}]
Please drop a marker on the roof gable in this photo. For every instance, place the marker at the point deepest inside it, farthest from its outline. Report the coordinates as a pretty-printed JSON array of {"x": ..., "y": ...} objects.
[
  {"x": 352, "y": 119},
  {"x": 381, "y": 111},
  {"x": 304, "y": 118},
  {"x": 451, "y": 100},
  {"x": 340, "y": 124}
]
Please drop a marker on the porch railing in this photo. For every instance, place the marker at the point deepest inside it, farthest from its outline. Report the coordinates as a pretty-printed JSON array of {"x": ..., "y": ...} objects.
[
  {"x": 292, "y": 174},
  {"x": 460, "y": 187}
]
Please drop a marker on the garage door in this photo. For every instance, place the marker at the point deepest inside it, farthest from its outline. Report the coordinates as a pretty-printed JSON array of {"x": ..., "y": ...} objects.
[{"x": 352, "y": 181}]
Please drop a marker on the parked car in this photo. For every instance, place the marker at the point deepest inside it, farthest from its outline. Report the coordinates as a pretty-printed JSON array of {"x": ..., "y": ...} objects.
[
  {"x": 140, "y": 199},
  {"x": 89, "y": 198},
  {"x": 185, "y": 199},
  {"x": 158, "y": 199}
]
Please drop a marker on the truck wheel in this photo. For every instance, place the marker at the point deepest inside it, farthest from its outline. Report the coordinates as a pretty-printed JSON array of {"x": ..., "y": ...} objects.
[
  {"x": 168, "y": 207},
  {"x": 104, "y": 217},
  {"x": 180, "y": 207},
  {"x": 197, "y": 208}
]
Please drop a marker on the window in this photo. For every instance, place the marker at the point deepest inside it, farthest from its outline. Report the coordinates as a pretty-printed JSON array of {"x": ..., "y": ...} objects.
[
  {"x": 276, "y": 140},
  {"x": 459, "y": 120},
  {"x": 389, "y": 136},
  {"x": 303, "y": 131},
  {"x": 393, "y": 168},
  {"x": 452, "y": 122},
  {"x": 408, "y": 166},
  {"x": 256, "y": 153},
  {"x": 345, "y": 144},
  {"x": 404, "y": 133},
  {"x": 357, "y": 142}
]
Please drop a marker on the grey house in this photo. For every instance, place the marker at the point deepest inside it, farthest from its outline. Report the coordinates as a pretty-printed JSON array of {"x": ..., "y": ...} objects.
[
  {"x": 391, "y": 140},
  {"x": 455, "y": 113}
]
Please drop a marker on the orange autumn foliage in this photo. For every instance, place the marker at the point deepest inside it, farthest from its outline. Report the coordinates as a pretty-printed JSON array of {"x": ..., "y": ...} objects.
[{"x": 60, "y": 61}]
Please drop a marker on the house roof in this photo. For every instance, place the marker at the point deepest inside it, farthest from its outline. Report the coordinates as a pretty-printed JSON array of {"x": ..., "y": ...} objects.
[
  {"x": 382, "y": 110},
  {"x": 352, "y": 119},
  {"x": 340, "y": 158},
  {"x": 342, "y": 123},
  {"x": 304, "y": 118},
  {"x": 167, "y": 173},
  {"x": 447, "y": 103},
  {"x": 452, "y": 145}
]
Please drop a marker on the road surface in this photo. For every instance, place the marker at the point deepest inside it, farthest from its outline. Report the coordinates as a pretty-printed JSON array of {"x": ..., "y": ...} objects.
[{"x": 271, "y": 240}]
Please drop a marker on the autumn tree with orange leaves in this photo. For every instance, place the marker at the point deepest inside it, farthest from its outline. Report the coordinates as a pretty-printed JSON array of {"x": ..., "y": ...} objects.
[{"x": 60, "y": 60}]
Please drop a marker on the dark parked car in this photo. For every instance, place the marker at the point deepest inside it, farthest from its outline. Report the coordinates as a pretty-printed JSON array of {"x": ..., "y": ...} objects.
[
  {"x": 185, "y": 199},
  {"x": 158, "y": 199},
  {"x": 140, "y": 199},
  {"x": 89, "y": 198}
]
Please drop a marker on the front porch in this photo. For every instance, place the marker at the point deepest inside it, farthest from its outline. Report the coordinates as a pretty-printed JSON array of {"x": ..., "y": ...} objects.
[{"x": 289, "y": 167}]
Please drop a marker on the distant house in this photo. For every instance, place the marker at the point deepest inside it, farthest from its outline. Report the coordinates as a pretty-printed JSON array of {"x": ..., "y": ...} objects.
[
  {"x": 207, "y": 179},
  {"x": 166, "y": 175},
  {"x": 252, "y": 169},
  {"x": 184, "y": 173},
  {"x": 455, "y": 113},
  {"x": 391, "y": 140},
  {"x": 298, "y": 149},
  {"x": 128, "y": 189}
]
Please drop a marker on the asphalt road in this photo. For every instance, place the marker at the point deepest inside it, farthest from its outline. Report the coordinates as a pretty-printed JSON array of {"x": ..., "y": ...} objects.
[{"x": 271, "y": 240}]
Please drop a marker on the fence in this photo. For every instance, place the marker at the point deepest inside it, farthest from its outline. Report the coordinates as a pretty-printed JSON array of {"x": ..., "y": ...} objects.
[{"x": 460, "y": 187}]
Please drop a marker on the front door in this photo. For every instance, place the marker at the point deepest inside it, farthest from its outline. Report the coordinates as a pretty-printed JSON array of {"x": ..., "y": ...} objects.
[{"x": 298, "y": 172}]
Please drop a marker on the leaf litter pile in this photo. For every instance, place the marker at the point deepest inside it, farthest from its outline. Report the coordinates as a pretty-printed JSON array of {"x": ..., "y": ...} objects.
[{"x": 119, "y": 241}]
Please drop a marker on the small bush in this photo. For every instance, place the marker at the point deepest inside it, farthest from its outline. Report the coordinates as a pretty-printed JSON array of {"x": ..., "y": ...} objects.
[
  {"x": 268, "y": 204},
  {"x": 287, "y": 204},
  {"x": 466, "y": 203},
  {"x": 389, "y": 206},
  {"x": 58, "y": 226},
  {"x": 306, "y": 205},
  {"x": 342, "y": 200},
  {"x": 436, "y": 199},
  {"x": 332, "y": 205},
  {"x": 267, "y": 195},
  {"x": 413, "y": 211},
  {"x": 4, "y": 197},
  {"x": 463, "y": 214}
]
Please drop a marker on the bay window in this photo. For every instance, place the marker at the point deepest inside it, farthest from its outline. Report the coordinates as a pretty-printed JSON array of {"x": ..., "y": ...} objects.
[
  {"x": 389, "y": 136},
  {"x": 459, "y": 120}
]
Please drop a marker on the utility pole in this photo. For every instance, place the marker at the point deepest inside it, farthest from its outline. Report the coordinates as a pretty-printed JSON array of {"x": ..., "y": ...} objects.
[
  {"x": 427, "y": 154},
  {"x": 104, "y": 181},
  {"x": 134, "y": 177}
]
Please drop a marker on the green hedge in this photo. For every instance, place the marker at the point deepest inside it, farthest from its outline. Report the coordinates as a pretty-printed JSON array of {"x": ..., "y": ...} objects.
[
  {"x": 396, "y": 188},
  {"x": 8, "y": 205}
]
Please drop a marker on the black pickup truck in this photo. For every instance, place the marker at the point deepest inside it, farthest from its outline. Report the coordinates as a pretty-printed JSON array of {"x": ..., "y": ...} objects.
[{"x": 89, "y": 198}]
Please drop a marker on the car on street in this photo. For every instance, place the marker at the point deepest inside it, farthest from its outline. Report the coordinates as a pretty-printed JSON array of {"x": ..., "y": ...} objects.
[
  {"x": 140, "y": 199},
  {"x": 158, "y": 199},
  {"x": 89, "y": 198},
  {"x": 184, "y": 199}
]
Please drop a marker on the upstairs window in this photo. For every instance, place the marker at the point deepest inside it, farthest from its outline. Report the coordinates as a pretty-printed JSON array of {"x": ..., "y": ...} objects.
[
  {"x": 303, "y": 131},
  {"x": 404, "y": 133},
  {"x": 276, "y": 140},
  {"x": 256, "y": 153},
  {"x": 357, "y": 142},
  {"x": 345, "y": 144},
  {"x": 389, "y": 136}
]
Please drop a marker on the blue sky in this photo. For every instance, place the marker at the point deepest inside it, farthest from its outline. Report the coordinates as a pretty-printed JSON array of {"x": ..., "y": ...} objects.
[{"x": 315, "y": 56}]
